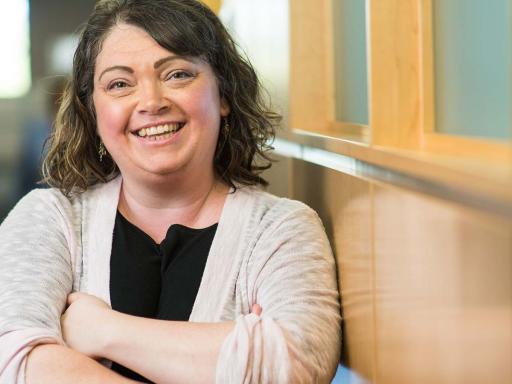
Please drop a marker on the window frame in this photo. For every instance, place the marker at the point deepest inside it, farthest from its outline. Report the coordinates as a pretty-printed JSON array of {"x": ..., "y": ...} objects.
[
  {"x": 400, "y": 85},
  {"x": 493, "y": 150}
]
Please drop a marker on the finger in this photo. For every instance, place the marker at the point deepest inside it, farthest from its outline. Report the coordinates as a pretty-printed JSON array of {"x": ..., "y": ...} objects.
[
  {"x": 256, "y": 309},
  {"x": 72, "y": 297}
]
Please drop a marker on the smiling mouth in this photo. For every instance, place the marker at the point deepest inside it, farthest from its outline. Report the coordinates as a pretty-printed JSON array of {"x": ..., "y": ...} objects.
[{"x": 159, "y": 132}]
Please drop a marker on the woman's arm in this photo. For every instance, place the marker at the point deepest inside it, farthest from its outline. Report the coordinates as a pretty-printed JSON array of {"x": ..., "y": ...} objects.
[
  {"x": 36, "y": 275},
  {"x": 297, "y": 339},
  {"x": 166, "y": 351},
  {"x": 292, "y": 275},
  {"x": 57, "y": 364},
  {"x": 163, "y": 351}
]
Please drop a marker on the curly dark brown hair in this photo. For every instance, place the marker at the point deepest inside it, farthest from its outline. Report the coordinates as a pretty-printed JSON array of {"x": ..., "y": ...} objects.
[{"x": 184, "y": 27}]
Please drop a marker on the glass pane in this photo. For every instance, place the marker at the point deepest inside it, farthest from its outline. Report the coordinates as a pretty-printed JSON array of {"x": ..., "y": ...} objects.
[
  {"x": 472, "y": 66},
  {"x": 350, "y": 61}
]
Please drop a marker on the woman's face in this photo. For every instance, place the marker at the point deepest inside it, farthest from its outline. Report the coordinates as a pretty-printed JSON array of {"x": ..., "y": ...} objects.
[{"x": 157, "y": 113}]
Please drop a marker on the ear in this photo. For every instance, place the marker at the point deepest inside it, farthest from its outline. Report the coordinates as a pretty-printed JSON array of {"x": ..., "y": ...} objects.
[{"x": 224, "y": 108}]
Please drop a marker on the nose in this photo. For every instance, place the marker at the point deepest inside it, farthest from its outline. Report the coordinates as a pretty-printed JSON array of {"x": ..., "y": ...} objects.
[{"x": 152, "y": 100}]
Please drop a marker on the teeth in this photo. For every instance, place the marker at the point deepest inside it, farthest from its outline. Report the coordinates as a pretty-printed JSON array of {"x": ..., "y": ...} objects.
[{"x": 159, "y": 129}]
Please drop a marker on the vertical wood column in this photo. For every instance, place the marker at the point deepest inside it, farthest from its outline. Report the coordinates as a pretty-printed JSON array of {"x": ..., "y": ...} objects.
[
  {"x": 394, "y": 51},
  {"x": 310, "y": 72}
]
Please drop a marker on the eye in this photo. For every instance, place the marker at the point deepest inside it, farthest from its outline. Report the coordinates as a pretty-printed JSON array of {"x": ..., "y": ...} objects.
[
  {"x": 117, "y": 84},
  {"x": 179, "y": 75}
]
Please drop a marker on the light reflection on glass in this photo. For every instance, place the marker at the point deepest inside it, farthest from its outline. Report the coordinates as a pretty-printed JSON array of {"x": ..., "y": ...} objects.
[{"x": 15, "y": 77}]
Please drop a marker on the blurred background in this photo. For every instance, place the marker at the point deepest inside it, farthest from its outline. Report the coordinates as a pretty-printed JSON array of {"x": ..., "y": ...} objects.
[
  {"x": 397, "y": 130},
  {"x": 38, "y": 38}
]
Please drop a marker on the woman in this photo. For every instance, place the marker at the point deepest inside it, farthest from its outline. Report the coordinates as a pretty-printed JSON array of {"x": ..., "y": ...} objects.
[{"x": 183, "y": 270}]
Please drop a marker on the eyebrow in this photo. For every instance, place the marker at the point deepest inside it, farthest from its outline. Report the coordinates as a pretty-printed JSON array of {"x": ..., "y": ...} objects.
[
  {"x": 114, "y": 68},
  {"x": 161, "y": 62},
  {"x": 156, "y": 65}
]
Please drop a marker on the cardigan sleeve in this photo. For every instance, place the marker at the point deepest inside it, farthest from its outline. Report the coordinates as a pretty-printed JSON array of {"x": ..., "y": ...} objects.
[
  {"x": 292, "y": 276},
  {"x": 35, "y": 278}
]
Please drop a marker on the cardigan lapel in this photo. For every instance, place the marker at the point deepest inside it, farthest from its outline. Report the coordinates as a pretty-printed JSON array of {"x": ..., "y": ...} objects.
[
  {"x": 215, "y": 296},
  {"x": 100, "y": 207}
]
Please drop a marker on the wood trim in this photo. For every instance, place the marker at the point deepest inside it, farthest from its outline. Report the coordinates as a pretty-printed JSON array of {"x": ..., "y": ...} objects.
[
  {"x": 394, "y": 65},
  {"x": 330, "y": 65},
  {"x": 487, "y": 151},
  {"x": 479, "y": 149},
  {"x": 492, "y": 181},
  {"x": 309, "y": 68},
  {"x": 427, "y": 66},
  {"x": 343, "y": 130},
  {"x": 215, "y": 5},
  {"x": 312, "y": 101},
  {"x": 400, "y": 80}
]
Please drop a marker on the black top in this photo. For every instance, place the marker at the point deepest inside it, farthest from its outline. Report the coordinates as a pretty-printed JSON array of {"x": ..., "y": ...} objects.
[{"x": 158, "y": 281}]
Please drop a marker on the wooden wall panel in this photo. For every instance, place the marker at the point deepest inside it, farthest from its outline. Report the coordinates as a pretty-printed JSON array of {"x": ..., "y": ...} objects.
[
  {"x": 443, "y": 291},
  {"x": 426, "y": 283}
]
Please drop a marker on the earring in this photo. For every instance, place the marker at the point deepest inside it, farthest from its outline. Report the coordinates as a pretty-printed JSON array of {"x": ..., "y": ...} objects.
[
  {"x": 101, "y": 151},
  {"x": 225, "y": 127}
]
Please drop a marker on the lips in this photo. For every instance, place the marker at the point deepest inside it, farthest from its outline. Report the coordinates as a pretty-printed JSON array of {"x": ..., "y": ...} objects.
[{"x": 159, "y": 130}]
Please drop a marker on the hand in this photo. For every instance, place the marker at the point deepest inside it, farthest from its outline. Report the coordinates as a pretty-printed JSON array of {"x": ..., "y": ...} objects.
[{"x": 83, "y": 322}]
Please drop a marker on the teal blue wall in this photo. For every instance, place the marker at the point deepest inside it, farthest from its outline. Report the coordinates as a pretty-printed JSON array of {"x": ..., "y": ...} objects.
[
  {"x": 350, "y": 61},
  {"x": 472, "y": 59}
]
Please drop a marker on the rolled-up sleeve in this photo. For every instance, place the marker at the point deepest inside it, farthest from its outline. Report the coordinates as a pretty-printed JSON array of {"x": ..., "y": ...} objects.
[
  {"x": 35, "y": 279},
  {"x": 292, "y": 276}
]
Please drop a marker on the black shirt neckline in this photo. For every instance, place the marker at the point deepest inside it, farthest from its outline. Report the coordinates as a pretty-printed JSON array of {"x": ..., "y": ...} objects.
[{"x": 175, "y": 225}]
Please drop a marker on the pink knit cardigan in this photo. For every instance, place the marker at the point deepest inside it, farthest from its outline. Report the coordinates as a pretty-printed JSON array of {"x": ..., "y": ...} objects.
[{"x": 267, "y": 250}]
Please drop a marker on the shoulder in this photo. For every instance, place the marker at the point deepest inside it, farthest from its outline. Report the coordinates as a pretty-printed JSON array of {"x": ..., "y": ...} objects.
[
  {"x": 43, "y": 199},
  {"x": 41, "y": 208},
  {"x": 272, "y": 219},
  {"x": 50, "y": 203},
  {"x": 268, "y": 207}
]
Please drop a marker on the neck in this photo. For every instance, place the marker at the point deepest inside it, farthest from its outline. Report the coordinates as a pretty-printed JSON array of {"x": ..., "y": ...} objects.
[{"x": 153, "y": 207}]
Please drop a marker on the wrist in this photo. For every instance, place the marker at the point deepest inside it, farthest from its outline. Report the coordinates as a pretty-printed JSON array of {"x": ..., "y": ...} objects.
[
  {"x": 106, "y": 333},
  {"x": 111, "y": 335}
]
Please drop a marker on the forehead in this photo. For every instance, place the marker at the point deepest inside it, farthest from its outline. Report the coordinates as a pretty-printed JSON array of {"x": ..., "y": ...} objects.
[{"x": 128, "y": 43}]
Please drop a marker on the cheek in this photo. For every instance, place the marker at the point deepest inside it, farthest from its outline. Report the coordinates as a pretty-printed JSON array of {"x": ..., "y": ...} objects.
[
  {"x": 112, "y": 117},
  {"x": 206, "y": 106}
]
